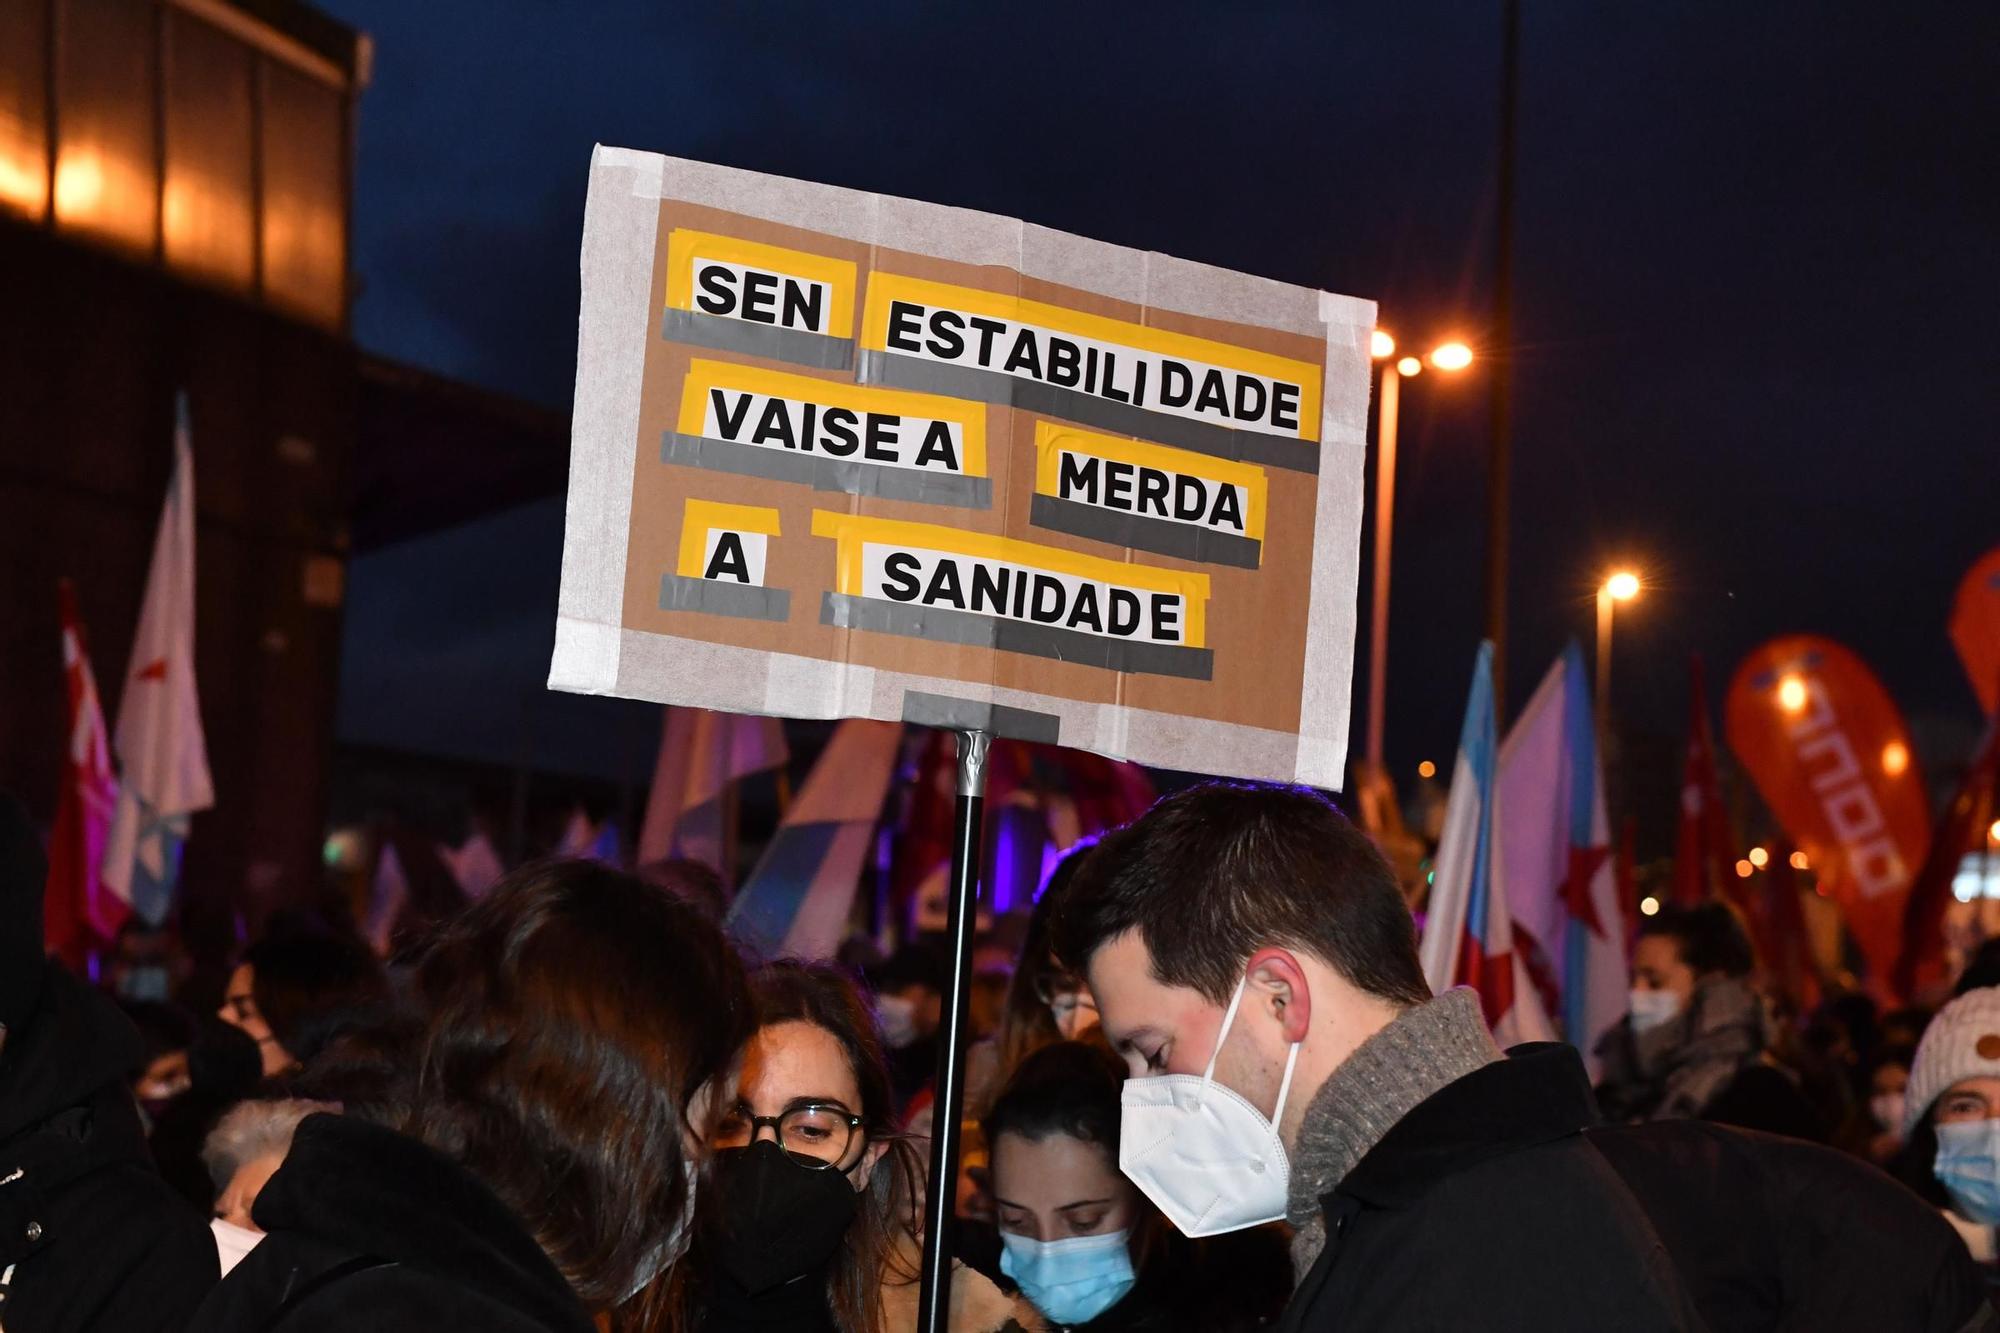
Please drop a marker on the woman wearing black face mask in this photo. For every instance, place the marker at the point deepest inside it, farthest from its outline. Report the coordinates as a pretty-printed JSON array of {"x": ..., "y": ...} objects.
[{"x": 807, "y": 1223}]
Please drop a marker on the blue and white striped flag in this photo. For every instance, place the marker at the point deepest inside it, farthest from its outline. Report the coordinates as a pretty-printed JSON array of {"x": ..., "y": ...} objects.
[{"x": 162, "y": 754}]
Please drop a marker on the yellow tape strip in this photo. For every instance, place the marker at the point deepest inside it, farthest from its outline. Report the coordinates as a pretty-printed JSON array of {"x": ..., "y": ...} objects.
[
  {"x": 1052, "y": 438},
  {"x": 884, "y": 288},
  {"x": 701, "y": 517},
  {"x": 704, "y": 375},
  {"x": 684, "y": 246},
  {"x": 852, "y": 531}
]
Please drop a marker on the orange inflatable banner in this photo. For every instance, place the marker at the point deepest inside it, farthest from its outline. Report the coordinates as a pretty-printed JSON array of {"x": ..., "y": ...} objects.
[
  {"x": 1975, "y": 628},
  {"x": 1831, "y": 756}
]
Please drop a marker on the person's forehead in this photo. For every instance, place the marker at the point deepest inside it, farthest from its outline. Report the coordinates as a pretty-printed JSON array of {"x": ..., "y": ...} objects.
[
  {"x": 1982, "y": 1086},
  {"x": 795, "y": 1059},
  {"x": 1130, "y": 999},
  {"x": 1657, "y": 951},
  {"x": 1051, "y": 1171}
]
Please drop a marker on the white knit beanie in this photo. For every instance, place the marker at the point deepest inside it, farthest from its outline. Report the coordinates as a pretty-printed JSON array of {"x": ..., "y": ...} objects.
[{"x": 1962, "y": 1042}]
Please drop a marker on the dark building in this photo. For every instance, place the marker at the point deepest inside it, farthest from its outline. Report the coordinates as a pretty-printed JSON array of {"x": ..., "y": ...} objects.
[{"x": 175, "y": 182}]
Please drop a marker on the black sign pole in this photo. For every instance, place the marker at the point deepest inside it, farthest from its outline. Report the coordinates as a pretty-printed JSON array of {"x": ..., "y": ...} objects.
[{"x": 948, "y": 1106}]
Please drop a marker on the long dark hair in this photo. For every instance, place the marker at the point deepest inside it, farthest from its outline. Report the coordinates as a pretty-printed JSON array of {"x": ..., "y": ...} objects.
[
  {"x": 790, "y": 990},
  {"x": 568, "y": 1020},
  {"x": 1026, "y": 1025}
]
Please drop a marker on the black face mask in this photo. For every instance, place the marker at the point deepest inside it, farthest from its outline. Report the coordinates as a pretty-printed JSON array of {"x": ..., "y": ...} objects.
[{"x": 774, "y": 1220}]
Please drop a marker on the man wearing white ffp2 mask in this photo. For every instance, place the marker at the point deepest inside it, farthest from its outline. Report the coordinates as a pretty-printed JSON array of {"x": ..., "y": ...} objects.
[{"x": 1253, "y": 959}]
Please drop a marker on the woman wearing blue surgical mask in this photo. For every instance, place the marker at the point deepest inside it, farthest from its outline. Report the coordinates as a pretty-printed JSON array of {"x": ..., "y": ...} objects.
[
  {"x": 1951, "y": 1118},
  {"x": 1079, "y": 1239}
]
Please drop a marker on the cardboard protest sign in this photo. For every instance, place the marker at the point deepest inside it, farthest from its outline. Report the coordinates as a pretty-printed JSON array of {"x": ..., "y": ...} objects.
[{"x": 838, "y": 454}]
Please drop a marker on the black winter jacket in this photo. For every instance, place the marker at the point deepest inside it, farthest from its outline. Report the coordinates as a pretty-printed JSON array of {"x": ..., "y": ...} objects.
[
  {"x": 1772, "y": 1235},
  {"x": 1485, "y": 1208},
  {"x": 371, "y": 1230},
  {"x": 90, "y": 1237}
]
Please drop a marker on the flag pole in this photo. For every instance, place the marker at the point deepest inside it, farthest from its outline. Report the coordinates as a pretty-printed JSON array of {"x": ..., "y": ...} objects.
[{"x": 948, "y": 1104}]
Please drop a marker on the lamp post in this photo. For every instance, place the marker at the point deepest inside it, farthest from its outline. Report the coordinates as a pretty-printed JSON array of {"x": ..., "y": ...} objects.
[
  {"x": 1449, "y": 357},
  {"x": 1622, "y": 586}
]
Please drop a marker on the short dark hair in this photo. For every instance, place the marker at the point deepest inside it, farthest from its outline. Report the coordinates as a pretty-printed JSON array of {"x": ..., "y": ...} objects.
[
  {"x": 567, "y": 1020},
  {"x": 1069, "y": 1088},
  {"x": 1212, "y": 874},
  {"x": 915, "y": 964},
  {"x": 1709, "y": 936},
  {"x": 313, "y": 982}
]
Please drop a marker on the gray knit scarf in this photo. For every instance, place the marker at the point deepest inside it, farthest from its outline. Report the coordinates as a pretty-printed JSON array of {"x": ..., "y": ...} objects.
[{"x": 1424, "y": 1048}]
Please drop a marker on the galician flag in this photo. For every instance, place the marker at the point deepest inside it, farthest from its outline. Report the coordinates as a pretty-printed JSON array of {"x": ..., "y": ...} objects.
[
  {"x": 79, "y": 915},
  {"x": 162, "y": 756},
  {"x": 690, "y": 812},
  {"x": 798, "y": 900},
  {"x": 1468, "y": 930},
  {"x": 1555, "y": 851}
]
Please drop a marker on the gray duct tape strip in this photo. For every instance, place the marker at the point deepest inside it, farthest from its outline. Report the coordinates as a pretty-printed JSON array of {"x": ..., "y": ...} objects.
[
  {"x": 681, "y": 593},
  {"x": 736, "y": 335},
  {"x": 826, "y": 474},
  {"x": 993, "y": 386},
  {"x": 1144, "y": 533},
  {"x": 943, "y": 711},
  {"x": 846, "y": 611}
]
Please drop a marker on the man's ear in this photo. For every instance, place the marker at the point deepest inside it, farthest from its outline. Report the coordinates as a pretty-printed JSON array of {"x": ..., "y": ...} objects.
[{"x": 1278, "y": 985}]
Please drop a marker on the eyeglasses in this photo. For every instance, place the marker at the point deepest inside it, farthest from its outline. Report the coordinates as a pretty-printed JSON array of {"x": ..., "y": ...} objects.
[
  {"x": 1065, "y": 1007},
  {"x": 814, "y": 1134},
  {"x": 1064, "y": 995}
]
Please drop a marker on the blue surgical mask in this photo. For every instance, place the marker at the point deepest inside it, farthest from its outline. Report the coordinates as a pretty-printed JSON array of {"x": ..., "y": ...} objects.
[
  {"x": 1071, "y": 1281},
  {"x": 1968, "y": 1166}
]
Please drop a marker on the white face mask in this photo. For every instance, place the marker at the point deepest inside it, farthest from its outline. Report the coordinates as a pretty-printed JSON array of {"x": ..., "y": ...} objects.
[
  {"x": 1200, "y": 1151},
  {"x": 1654, "y": 1008},
  {"x": 898, "y": 1017},
  {"x": 233, "y": 1243}
]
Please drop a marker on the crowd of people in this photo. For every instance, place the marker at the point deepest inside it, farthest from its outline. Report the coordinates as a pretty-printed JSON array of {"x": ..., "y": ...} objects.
[{"x": 1211, "y": 1091}]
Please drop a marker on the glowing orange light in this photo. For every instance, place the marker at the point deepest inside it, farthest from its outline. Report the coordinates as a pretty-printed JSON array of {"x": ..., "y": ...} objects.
[
  {"x": 79, "y": 183},
  {"x": 1792, "y": 694},
  {"x": 1380, "y": 345},
  {"x": 1895, "y": 758},
  {"x": 1799, "y": 861},
  {"x": 24, "y": 176},
  {"x": 1429, "y": 770},
  {"x": 1759, "y": 857},
  {"x": 1745, "y": 869},
  {"x": 1622, "y": 586},
  {"x": 1409, "y": 366},
  {"x": 1451, "y": 356},
  {"x": 1649, "y": 905}
]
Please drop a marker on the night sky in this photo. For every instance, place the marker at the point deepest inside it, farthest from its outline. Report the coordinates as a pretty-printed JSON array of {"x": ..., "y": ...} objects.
[{"x": 1758, "y": 285}]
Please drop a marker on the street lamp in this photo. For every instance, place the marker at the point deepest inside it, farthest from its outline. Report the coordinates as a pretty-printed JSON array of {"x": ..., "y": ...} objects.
[
  {"x": 1448, "y": 357},
  {"x": 1622, "y": 586}
]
